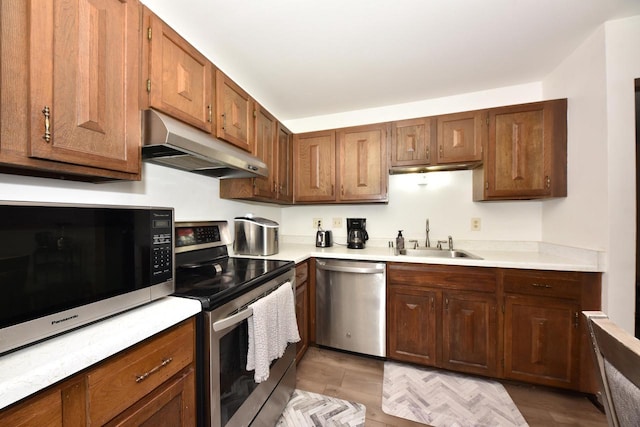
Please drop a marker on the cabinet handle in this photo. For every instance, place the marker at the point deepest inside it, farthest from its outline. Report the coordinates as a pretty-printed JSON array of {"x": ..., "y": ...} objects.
[
  {"x": 446, "y": 303},
  {"x": 576, "y": 320},
  {"x": 209, "y": 113},
  {"x": 412, "y": 306},
  {"x": 144, "y": 376},
  {"x": 433, "y": 303},
  {"x": 342, "y": 190},
  {"x": 428, "y": 155},
  {"x": 541, "y": 285},
  {"x": 547, "y": 181},
  {"x": 224, "y": 121},
  {"x": 441, "y": 152},
  {"x": 47, "y": 124}
]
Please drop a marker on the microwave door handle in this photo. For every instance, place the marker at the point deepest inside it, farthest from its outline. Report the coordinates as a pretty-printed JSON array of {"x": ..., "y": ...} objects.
[{"x": 232, "y": 320}]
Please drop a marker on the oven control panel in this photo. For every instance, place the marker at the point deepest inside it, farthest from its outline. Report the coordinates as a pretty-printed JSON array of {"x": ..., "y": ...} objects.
[{"x": 194, "y": 235}]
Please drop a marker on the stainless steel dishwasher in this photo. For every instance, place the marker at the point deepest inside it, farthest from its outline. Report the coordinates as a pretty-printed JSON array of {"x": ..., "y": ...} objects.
[{"x": 350, "y": 306}]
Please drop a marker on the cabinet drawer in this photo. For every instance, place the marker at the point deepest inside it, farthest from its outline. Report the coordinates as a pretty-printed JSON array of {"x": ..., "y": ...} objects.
[
  {"x": 302, "y": 273},
  {"x": 482, "y": 279},
  {"x": 119, "y": 383},
  {"x": 561, "y": 285}
]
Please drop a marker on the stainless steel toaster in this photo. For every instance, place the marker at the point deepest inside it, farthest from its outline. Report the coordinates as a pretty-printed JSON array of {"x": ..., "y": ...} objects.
[{"x": 255, "y": 236}]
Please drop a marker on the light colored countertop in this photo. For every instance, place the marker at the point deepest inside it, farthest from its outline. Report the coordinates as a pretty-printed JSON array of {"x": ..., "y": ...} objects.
[
  {"x": 33, "y": 368},
  {"x": 527, "y": 255}
]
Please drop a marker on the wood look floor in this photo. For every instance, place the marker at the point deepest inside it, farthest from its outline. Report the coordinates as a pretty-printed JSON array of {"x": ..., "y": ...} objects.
[{"x": 359, "y": 379}]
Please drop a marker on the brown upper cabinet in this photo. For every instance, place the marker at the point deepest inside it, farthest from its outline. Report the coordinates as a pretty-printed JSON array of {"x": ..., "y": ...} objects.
[
  {"x": 411, "y": 142},
  {"x": 69, "y": 84},
  {"x": 182, "y": 83},
  {"x": 460, "y": 137},
  {"x": 234, "y": 113},
  {"x": 284, "y": 173},
  {"x": 526, "y": 156},
  {"x": 273, "y": 145},
  {"x": 266, "y": 128},
  {"x": 451, "y": 141},
  {"x": 314, "y": 163},
  {"x": 359, "y": 154},
  {"x": 178, "y": 78},
  {"x": 362, "y": 159}
]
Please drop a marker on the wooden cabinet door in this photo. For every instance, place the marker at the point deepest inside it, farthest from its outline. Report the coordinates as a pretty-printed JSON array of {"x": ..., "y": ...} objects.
[
  {"x": 84, "y": 77},
  {"x": 302, "y": 316},
  {"x": 526, "y": 151},
  {"x": 172, "y": 404},
  {"x": 363, "y": 172},
  {"x": 470, "y": 332},
  {"x": 541, "y": 340},
  {"x": 234, "y": 111},
  {"x": 284, "y": 179},
  {"x": 412, "y": 314},
  {"x": 411, "y": 142},
  {"x": 179, "y": 77},
  {"x": 460, "y": 137},
  {"x": 43, "y": 410},
  {"x": 61, "y": 406},
  {"x": 314, "y": 155},
  {"x": 265, "y": 149},
  {"x": 303, "y": 296}
]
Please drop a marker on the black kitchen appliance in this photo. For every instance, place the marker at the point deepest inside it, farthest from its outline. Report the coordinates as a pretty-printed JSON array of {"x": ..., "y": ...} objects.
[
  {"x": 226, "y": 286},
  {"x": 356, "y": 233},
  {"x": 63, "y": 266}
]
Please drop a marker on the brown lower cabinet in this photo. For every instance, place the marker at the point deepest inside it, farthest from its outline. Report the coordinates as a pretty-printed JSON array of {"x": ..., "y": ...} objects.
[
  {"x": 515, "y": 324},
  {"x": 546, "y": 339},
  {"x": 152, "y": 382},
  {"x": 302, "y": 308},
  {"x": 443, "y": 316}
]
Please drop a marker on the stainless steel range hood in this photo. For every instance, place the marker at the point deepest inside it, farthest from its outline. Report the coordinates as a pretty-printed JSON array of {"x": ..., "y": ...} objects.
[{"x": 169, "y": 142}]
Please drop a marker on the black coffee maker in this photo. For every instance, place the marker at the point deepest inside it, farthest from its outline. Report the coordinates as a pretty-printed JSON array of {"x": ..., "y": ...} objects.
[{"x": 356, "y": 233}]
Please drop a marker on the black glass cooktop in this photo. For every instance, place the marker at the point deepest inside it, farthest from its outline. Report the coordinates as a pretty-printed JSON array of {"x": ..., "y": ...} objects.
[{"x": 215, "y": 279}]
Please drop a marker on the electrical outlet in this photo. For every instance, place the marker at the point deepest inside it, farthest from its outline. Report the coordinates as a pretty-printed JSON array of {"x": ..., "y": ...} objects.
[
  {"x": 475, "y": 224},
  {"x": 317, "y": 222},
  {"x": 337, "y": 222}
]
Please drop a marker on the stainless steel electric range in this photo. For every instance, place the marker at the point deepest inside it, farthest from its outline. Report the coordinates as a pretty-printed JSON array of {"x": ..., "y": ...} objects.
[{"x": 226, "y": 286}]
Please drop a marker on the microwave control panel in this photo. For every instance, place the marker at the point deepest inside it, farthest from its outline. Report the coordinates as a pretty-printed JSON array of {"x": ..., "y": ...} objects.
[{"x": 161, "y": 246}]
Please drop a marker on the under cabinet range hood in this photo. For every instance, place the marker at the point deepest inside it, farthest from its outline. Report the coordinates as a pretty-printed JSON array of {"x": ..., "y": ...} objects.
[{"x": 169, "y": 142}]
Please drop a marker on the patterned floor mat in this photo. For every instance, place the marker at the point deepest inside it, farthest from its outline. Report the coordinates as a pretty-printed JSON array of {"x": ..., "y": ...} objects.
[
  {"x": 317, "y": 410},
  {"x": 441, "y": 398}
]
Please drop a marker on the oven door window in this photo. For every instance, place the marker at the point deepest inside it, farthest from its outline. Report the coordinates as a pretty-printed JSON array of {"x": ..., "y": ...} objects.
[{"x": 236, "y": 383}]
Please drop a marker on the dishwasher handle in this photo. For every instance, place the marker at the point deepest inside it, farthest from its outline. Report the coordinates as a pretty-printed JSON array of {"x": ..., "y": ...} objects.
[{"x": 349, "y": 269}]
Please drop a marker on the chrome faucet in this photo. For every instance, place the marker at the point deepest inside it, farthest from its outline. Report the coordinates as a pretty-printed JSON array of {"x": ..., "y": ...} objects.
[
  {"x": 449, "y": 241},
  {"x": 427, "y": 242}
]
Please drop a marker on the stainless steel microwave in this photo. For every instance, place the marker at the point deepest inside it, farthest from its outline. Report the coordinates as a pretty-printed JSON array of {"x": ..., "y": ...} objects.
[{"x": 63, "y": 266}]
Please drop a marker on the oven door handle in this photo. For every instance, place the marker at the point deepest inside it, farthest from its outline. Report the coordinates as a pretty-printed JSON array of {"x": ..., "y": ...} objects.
[{"x": 232, "y": 320}]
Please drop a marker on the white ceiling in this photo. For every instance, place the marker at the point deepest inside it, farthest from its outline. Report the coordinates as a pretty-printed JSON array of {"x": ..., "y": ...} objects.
[{"x": 303, "y": 58}]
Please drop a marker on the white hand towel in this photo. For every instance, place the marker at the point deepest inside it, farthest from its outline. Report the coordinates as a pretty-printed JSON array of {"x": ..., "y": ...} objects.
[{"x": 270, "y": 329}]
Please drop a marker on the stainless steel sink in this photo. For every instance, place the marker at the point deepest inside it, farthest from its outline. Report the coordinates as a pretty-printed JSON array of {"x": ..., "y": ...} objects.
[{"x": 438, "y": 253}]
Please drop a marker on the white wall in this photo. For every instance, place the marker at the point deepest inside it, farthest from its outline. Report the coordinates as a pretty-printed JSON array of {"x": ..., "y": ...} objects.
[
  {"x": 623, "y": 66},
  {"x": 194, "y": 197},
  {"x": 598, "y": 78},
  {"x": 451, "y": 104},
  {"x": 445, "y": 200}
]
